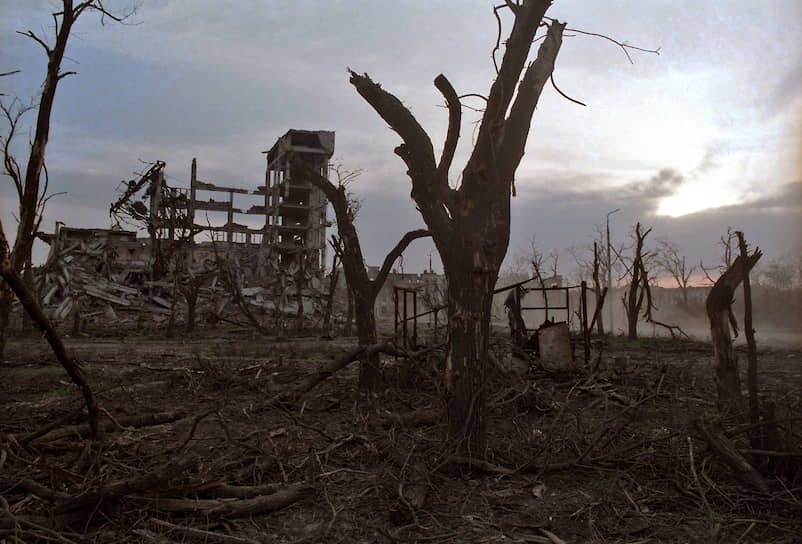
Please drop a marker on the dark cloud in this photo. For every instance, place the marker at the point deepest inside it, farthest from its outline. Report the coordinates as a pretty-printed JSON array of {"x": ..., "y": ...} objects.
[
  {"x": 561, "y": 219},
  {"x": 664, "y": 183}
]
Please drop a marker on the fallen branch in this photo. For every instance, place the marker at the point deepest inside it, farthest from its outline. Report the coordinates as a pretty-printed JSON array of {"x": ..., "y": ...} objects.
[
  {"x": 311, "y": 381},
  {"x": 126, "y": 487},
  {"x": 726, "y": 449},
  {"x": 25, "y": 440},
  {"x": 106, "y": 426},
  {"x": 237, "y": 508},
  {"x": 671, "y": 328}
]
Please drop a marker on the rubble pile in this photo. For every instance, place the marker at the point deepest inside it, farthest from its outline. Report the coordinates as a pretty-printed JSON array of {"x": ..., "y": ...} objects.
[{"x": 86, "y": 281}]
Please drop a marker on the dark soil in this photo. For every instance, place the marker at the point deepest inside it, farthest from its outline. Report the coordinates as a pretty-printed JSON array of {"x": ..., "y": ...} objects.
[{"x": 603, "y": 454}]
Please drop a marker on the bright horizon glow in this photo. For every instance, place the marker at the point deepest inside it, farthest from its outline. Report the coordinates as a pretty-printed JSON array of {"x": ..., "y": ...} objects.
[{"x": 695, "y": 198}]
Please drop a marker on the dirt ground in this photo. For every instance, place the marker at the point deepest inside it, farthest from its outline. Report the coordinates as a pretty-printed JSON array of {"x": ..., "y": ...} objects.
[{"x": 196, "y": 448}]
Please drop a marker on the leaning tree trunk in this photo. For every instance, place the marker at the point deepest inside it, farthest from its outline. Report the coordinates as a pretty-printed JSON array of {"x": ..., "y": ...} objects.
[{"x": 719, "y": 312}]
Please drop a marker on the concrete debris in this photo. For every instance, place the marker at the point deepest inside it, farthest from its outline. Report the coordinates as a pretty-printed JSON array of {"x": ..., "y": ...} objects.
[{"x": 86, "y": 278}]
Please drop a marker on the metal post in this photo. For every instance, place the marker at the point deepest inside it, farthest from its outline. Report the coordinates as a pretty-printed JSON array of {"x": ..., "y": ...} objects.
[
  {"x": 403, "y": 290},
  {"x": 585, "y": 331},
  {"x": 395, "y": 312},
  {"x": 414, "y": 320}
]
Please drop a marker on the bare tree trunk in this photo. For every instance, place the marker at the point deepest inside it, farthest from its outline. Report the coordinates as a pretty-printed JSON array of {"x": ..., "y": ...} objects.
[
  {"x": 349, "y": 313},
  {"x": 27, "y": 277},
  {"x": 370, "y": 376},
  {"x": 6, "y": 301},
  {"x": 719, "y": 312},
  {"x": 638, "y": 286},
  {"x": 514, "y": 317},
  {"x": 31, "y": 306},
  {"x": 597, "y": 290},
  {"x": 469, "y": 306},
  {"x": 333, "y": 279},
  {"x": 751, "y": 373}
]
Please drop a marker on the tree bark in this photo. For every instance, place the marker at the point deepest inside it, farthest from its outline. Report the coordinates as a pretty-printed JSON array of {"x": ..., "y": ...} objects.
[
  {"x": 6, "y": 301},
  {"x": 749, "y": 332},
  {"x": 638, "y": 286},
  {"x": 333, "y": 279},
  {"x": 719, "y": 312},
  {"x": 597, "y": 291}
]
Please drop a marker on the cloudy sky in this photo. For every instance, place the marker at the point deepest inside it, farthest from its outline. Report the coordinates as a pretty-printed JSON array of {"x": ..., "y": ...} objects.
[{"x": 704, "y": 136}]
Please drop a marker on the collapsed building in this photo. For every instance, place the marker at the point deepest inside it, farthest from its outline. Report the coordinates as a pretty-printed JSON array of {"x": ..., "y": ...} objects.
[{"x": 268, "y": 257}]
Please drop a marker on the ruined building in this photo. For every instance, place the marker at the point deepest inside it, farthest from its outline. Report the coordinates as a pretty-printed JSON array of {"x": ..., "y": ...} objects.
[
  {"x": 290, "y": 232},
  {"x": 269, "y": 242},
  {"x": 297, "y": 209}
]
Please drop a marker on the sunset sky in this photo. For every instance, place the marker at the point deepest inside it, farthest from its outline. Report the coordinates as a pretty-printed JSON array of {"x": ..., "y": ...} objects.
[{"x": 704, "y": 136}]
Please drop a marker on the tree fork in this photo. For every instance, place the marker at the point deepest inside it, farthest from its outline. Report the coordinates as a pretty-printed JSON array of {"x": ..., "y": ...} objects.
[{"x": 364, "y": 289}]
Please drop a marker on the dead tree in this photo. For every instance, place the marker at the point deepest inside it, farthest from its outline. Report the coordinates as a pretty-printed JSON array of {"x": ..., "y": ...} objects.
[
  {"x": 28, "y": 186},
  {"x": 334, "y": 277},
  {"x": 719, "y": 312},
  {"x": 364, "y": 289},
  {"x": 729, "y": 245},
  {"x": 638, "y": 288},
  {"x": 470, "y": 224},
  {"x": 670, "y": 260}
]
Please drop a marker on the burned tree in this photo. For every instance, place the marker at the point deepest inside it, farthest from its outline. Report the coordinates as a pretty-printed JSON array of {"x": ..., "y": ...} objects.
[
  {"x": 672, "y": 262},
  {"x": 638, "y": 288},
  {"x": 729, "y": 246},
  {"x": 470, "y": 224},
  {"x": 28, "y": 186},
  {"x": 719, "y": 312},
  {"x": 348, "y": 248}
]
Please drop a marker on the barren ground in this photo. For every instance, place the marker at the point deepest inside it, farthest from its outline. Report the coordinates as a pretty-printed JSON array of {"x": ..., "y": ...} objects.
[{"x": 598, "y": 455}]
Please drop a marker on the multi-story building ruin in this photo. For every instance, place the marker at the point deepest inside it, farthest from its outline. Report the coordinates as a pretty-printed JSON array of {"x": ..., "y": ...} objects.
[
  {"x": 296, "y": 209},
  {"x": 293, "y": 211}
]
